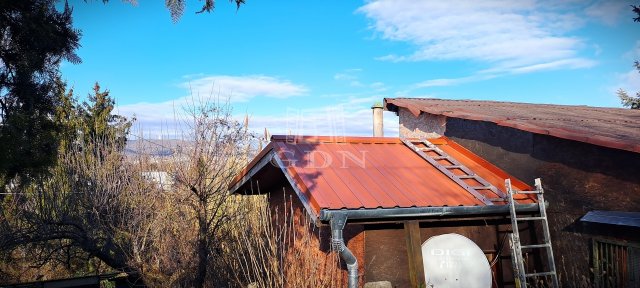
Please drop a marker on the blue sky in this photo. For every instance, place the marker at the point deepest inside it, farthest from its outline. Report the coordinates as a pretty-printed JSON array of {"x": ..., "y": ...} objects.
[{"x": 316, "y": 67}]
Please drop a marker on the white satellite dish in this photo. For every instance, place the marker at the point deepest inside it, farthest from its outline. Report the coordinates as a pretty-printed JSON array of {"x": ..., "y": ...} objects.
[{"x": 452, "y": 260}]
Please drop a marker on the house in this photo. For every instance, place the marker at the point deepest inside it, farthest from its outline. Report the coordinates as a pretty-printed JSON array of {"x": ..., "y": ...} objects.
[
  {"x": 163, "y": 180},
  {"x": 381, "y": 198},
  {"x": 589, "y": 162}
]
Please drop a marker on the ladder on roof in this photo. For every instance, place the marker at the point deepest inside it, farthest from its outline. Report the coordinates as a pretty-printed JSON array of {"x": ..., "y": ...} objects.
[
  {"x": 452, "y": 165},
  {"x": 517, "y": 259}
]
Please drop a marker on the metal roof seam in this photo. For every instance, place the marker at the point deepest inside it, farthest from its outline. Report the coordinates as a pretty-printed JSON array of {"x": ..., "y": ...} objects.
[
  {"x": 327, "y": 177},
  {"x": 282, "y": 148},
  {"x": 345, "y": 183},
  {"x": 398, "y": 177},
  {"x": 389, "y": 175},
  {"x": 382, "y": 196},
  {"x": 395, "y": 197}
]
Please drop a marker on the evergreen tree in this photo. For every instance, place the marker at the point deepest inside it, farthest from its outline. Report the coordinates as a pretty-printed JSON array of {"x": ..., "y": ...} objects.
[
  {"x": 67, "y": 118},
  {"x": 36, "y": 37},
  {"x": 98, "y": 121},
  {"x": 63, "y": 216}
]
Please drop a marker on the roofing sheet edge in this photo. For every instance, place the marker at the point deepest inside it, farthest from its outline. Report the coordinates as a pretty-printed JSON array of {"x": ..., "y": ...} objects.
[{"x": 392, "y": 104}]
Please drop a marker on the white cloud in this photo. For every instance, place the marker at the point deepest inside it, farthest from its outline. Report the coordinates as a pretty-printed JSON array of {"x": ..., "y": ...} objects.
[
  {"x": 378, "y": 86},
  {"x": 629, "y": 82},
  {"x": 609, "y": 12},
  {"x": 164, "y": 118},
  {"x": 353, "y": 78},
  {"x": 452, "y": 81},
  {"x": 634, "y": 53},
  {"x": 569, "y": 63},
  {"x": 351, "y": 117},
  {"x": 243, "y": 88},
  {"x": 574, "y": 63},
  {"x": 347, "y": 75},
  {"x": 507, "y": 34}
]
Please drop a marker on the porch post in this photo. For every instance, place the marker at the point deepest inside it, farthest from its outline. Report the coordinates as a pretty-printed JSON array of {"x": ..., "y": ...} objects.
[{"x": 414, "y": 253}]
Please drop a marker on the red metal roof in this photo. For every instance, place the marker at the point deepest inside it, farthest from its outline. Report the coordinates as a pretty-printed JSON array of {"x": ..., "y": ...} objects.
[
  {"x": 365, "y": 172},
  {"x": 609, "y": 127}
]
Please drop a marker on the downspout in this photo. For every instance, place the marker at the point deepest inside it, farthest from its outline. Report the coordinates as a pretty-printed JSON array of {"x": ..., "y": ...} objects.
[{"x": 337, "y": 223}]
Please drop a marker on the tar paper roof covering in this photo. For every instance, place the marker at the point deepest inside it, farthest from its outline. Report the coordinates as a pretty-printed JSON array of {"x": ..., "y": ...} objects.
[
  {"x": 367, "y": 173},
  {"x": 613, "y": 218},
  {"x": 609, "y": 127}
]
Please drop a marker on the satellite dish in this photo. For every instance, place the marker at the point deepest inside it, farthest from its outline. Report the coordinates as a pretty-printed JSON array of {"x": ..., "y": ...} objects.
[{"x": 452, "y": 260}]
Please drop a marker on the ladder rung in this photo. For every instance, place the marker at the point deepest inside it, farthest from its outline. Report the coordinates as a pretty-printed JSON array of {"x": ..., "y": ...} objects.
[
  {"x": 535, "y": 246},
  {"x": 446, "y": 168},
  {"x": 441, "y": 157},
  {"x": 468, "y": 176},
  {"x": 540, "y": 274},
  {"x": 529, "y": 218},
  {"x": 497, "y": 200},
  {"x": 426, "y": 149},
  {"x": 482, "y": 187},
  {"x": 526, "y": 192},
  {"x": 453, "y": 167}
]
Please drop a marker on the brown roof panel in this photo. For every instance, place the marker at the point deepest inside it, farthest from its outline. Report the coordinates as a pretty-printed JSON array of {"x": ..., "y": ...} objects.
[
  {"x": 365, "y": 172},
  {"x": 609, "y": 127}
]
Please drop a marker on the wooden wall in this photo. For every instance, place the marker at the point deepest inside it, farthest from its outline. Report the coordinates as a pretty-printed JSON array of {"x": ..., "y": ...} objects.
[
  {"x": 387, "y": 256},
  {"x": 577, "y": 177}
]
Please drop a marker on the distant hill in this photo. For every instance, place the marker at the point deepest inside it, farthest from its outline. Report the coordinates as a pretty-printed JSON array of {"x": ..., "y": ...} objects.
[{"x": 156, "y": 147}]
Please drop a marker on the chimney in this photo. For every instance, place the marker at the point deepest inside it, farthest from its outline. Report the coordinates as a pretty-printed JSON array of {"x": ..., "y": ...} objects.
[{"x": 377, "y": 120}]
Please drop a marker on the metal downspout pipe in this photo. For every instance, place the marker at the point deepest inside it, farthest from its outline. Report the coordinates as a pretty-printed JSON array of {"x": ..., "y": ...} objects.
[{"x": 337, "y": 223}]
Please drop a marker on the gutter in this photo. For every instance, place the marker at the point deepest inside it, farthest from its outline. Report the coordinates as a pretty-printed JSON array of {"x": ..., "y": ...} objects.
[
  {"x": 338, "y": 221},
  {"x": 422, "y": 212}
]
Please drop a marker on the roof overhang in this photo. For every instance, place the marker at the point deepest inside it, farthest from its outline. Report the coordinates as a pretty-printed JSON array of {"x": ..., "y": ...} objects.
[
  {"x": 269, "y": 157},
  {"x": 595, "y": 137},
  {"x": 426, "y": 212}
]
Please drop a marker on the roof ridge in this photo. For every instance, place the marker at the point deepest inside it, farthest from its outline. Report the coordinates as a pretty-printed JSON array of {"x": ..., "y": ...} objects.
[
  {"x": 334, "y": 139},
  {"x": 502, "y": 101}
]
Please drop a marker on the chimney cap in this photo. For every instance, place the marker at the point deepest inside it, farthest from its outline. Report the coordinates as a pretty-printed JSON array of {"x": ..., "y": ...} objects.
[{"x": 377, "y": 105}]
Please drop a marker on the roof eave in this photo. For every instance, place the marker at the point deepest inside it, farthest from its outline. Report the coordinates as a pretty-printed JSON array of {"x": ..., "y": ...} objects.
[
  {"x": 250, "y": 170},
  {"x": 425, "y": 212},
  {"x": 270, "y": 157}
]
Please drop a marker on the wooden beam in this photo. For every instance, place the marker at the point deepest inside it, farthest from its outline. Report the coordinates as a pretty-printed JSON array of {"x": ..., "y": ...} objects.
[{"x": 414, "y": 253}]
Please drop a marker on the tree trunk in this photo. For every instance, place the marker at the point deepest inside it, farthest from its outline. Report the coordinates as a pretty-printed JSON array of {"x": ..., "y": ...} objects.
[{"x": 203, "y": 252}]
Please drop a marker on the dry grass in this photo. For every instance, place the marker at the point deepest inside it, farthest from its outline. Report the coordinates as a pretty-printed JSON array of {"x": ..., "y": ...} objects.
[{"x": 279, "y": 247}]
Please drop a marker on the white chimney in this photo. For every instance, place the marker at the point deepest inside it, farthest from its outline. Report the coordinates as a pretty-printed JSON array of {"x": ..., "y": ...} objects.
[{"x": 377, "y": 120}]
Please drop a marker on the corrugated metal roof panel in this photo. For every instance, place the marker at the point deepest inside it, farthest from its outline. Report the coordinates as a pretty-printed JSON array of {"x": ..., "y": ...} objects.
[
  {"x": 609, "y": 127},
  {"x": 364, "y": 172}
]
